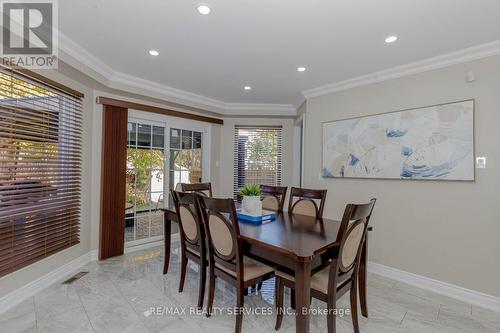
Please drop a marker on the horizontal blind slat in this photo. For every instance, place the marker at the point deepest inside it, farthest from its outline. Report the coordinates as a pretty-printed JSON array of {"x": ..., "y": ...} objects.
[
  {"x": 40, "y": 170},
  {"x": 257, "y": 155}
]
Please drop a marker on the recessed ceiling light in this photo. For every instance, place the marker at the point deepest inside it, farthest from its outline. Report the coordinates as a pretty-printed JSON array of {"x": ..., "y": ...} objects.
[
  {"x": 391, "y": 39},
  {"x": 301, "y": 69},
  {"x": 204, "y": 9},
  {"x": 247, "y": 88},
  {"x": 154, "y": 53}
]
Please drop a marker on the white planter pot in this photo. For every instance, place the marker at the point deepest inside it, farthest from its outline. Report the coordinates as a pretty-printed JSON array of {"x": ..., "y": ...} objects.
[{"x": 252, "y": 205}]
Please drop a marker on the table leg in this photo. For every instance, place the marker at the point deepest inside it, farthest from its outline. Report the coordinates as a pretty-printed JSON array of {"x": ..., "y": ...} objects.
[
  {"x": 166, "y": 240},
  {"x": 362, "y": 278},
  {"x": 302, "y": 295}
]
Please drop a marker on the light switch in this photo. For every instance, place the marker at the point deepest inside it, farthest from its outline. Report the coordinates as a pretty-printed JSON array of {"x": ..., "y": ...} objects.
[{"x": 481, "y": 162}]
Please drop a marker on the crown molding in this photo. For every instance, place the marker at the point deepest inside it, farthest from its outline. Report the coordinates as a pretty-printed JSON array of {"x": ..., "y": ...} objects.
[
  {"x": 300, "y": 99},
  {"x": 246, "y": 109},
  {"x": 77, "y": 56},
  {"x": 445, "y": 60},
  {"x": 124, "y": 81},
  {"x": 83, "y": 57}
]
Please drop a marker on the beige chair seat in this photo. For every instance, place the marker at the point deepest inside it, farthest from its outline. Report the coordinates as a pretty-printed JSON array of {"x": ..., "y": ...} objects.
[
  {"x": 251, "y": 270},
  {"x": 319, "y": 281}
]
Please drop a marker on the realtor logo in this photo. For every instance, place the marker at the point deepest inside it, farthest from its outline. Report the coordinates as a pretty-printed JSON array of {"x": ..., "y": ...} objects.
[{"x": 29, "y": 33}]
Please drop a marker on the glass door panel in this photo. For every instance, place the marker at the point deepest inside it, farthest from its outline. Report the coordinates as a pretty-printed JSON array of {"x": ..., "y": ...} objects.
[
  {"x": 185, "y": 157},
  {"x": 145, "y": 182},
  {"x": 147, "y": 148}
]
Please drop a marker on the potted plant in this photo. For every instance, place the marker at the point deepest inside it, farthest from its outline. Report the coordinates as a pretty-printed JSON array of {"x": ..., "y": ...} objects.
[{"x": 251, "y": 199}]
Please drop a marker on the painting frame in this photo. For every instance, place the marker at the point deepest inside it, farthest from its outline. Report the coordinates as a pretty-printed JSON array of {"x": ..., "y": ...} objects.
[{"x": 473, "y": 144}]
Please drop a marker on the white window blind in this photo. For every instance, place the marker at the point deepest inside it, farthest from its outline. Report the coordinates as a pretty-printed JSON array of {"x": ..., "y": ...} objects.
[{"x": 257, "y": 156}]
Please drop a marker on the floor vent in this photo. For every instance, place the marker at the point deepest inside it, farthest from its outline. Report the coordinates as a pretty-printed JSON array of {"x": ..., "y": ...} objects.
[{"x": 75, "y": 277}]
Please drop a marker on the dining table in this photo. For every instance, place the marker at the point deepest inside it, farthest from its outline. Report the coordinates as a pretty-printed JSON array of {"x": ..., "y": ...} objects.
[{"x": 292, "y": 243}]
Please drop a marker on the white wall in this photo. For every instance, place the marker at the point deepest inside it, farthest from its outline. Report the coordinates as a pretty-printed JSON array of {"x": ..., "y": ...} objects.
[{"x": 448, "y": 231}]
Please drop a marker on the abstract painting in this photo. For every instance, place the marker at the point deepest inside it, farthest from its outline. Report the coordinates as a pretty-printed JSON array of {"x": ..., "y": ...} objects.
[{"x": 435, "y": 142}]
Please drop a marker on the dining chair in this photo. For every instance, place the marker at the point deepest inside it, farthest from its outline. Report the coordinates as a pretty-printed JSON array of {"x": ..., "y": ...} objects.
[
  {"x": 302, "y": 201},
  {"x": 341, "y": 276},
  {"x": 226, "y": 259},
  {"x": 202, "y": 188},
  {"x": 273, "y": 197},
  {"x": 192, "y": 238}
]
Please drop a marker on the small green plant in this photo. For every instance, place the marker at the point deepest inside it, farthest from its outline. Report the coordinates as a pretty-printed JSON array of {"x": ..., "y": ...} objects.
[{"x": 251, "y": 190}]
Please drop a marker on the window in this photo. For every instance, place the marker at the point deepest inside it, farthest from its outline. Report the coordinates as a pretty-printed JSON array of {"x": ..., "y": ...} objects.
[
  {"x": 40, "y": 162},
  {"x": 185, "y": 157},
  {"x": 257, "y": 156}
]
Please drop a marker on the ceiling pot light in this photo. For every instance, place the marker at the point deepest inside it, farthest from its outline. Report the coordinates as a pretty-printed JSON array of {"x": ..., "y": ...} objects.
[
  {"x": 301, "y": 69},
  {"x": 391, "y": 39},
  {"x": 203, "y": 9},
  {"x": 154, "y": 53},
  {"x": 247, "y": 88}
]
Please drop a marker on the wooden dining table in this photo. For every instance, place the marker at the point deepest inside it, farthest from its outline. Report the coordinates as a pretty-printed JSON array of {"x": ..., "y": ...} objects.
[{"x": 293, "y": 243}]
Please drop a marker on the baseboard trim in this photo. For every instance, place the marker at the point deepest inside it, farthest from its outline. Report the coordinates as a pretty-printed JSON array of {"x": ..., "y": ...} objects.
[
  {"x": 173, "y": 238},
  {"x": 143, "y": 246},
  {"x": 94, "y": 255},
  {"x": 443, "y": 288},
  {"x": 23, "y": 293}
]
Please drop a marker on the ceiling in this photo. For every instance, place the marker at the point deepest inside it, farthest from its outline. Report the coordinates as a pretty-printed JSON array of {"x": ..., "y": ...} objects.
[{"x": 261, "y": 42}]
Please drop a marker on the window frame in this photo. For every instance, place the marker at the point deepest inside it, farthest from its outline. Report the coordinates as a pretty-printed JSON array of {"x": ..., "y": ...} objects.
[{"x": 236, "y": 160}]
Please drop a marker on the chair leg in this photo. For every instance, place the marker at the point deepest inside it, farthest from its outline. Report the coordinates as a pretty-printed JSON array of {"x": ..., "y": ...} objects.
[
  {"x": 201, "y": 289},
  {"x": 362, "y": 279},
  {"x": 331, "y": 317},
  {"x": 292, "y": 298},
  {"x": 211, "y": 293},
  {"x": 184, "y": 263},
  {"x": 279, "y": 291},
  {"x": 239, "y": 306},
  {"x": 259, "y": 286},
  {"x": 354, "y": 305}
]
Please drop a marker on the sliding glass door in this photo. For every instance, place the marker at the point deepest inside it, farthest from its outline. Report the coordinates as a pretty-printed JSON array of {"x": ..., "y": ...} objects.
[
  {"x": 145, "y": 190},
  {"x": 160, "y": 156}
]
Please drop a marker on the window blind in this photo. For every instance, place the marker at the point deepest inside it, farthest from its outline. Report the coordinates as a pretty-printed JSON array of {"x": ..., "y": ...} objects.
[
  {"x": 40, "y": 169},
  {"x": 257, "y": 156}
]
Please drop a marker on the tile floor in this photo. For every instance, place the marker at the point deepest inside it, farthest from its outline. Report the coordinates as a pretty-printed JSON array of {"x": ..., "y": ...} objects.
[{"x": 129, "y": 294}]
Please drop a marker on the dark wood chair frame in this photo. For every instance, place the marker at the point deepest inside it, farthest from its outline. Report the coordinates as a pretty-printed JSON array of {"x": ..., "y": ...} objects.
[
  {"x": 198, "y": 188},
  {"x": 341, "y": 279},
  {"x": 277, "y": 191},
  {"x": 190, "y": 248},
  {"x": 307, "y": 194},
  {"x": 226, "y": 211}
]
